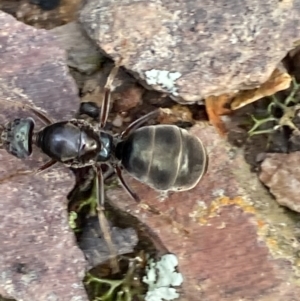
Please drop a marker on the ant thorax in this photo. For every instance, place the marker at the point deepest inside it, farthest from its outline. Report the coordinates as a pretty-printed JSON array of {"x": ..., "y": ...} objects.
[{"x": 75, "y": 143}]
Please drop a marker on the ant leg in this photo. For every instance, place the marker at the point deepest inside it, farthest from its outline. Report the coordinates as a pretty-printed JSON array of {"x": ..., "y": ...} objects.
[
  {"x": 47, "y": 165},
  {"x": 109, "y": 173},
  {"x": 107, "y": 94},
  {"x": 41, "y": 115},
  {"x": 44, "y": 118},
  {"x": 103, "y": 221},
  {"x": 137, "y": 123},
  {"x": 100, "y": 188},
  {"x": 125, "y": 185}
]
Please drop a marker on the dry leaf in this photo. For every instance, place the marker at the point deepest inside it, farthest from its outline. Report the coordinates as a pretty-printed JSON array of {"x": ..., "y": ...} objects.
[
  {"x": 216, "y": 107},
  {"x": 279, "y": 80}
]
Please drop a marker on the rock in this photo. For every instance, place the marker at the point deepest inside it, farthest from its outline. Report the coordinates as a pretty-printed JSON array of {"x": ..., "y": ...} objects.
[
  {"x": 83, "y": 55},
  {"x": 95, "y": 248},
  {"x": 118, "y": 121},
  {"x": 129, "y": 97},
  {"x": 281, "y": 173},
  {"x": 293, "y": 62},
  {"x": 232, "y": 240},
  {"x": 195, "y": 49},
  {"x": 39, "y": 258}
]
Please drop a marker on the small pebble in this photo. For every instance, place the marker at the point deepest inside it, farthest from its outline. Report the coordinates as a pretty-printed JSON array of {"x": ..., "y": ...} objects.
[{"x": 118, "y": 121}]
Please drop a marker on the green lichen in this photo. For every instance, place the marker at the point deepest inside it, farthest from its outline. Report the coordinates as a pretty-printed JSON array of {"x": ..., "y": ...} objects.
[
  {"x": 124, "y": 289},
  {"x": 160, "y": 277}
]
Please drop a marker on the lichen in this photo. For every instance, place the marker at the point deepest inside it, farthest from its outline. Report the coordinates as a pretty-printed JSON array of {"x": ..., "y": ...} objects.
[
  {"x": 161, "y": 276},
  {"x": 163, "y": 78}
]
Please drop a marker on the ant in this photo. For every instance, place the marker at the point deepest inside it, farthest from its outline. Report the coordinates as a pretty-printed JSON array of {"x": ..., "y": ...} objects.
[{"x": 165, "y": 157}]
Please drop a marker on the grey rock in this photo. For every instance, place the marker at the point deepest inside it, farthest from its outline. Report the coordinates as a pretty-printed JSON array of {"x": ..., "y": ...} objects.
[
  {"x": 194, "y": 49},
  {"x": 95, "y": 248},
  {"x": 281, "y": 173},
  {"x": 83, "y": 54}
]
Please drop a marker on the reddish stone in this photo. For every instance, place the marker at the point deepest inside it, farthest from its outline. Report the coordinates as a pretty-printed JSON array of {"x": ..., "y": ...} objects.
[
  {"x": 39, "y": 258},
  {"x": 226, "y": 232},
  {"x": 281, "y": 174}
]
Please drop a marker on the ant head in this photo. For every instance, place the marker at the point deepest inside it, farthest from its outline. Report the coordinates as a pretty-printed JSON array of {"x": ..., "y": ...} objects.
[{"x": 16, "y": 137}]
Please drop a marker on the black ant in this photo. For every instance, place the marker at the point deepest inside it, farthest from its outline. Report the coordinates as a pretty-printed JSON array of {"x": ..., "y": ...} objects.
[{"x": 165, "y": 157}]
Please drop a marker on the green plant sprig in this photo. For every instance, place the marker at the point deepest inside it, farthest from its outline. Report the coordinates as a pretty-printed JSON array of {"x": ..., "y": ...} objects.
[{"x": 287, "y": 117}]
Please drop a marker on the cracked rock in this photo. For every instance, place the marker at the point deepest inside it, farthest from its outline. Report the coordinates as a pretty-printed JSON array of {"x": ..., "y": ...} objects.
[
  {"x": 281, "y": 173},
  {"x": 39, "y": 259},
  {"x": 195, "y": 49}
]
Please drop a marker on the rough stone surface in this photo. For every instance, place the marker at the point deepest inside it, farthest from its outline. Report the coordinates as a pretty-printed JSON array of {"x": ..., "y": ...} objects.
[
  {"x": 39, "y": 258},
  {"x": 94, "y": 245},
  {"x": 83, "y": 54},
  {"x": 232, "y": 240},
  {"x": 194, "y": 49},
  {"x": 281, "y": 173}
]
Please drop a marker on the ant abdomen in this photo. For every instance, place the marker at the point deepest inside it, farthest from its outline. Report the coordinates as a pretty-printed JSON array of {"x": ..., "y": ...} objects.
[{"x": 165, "y": 157}]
